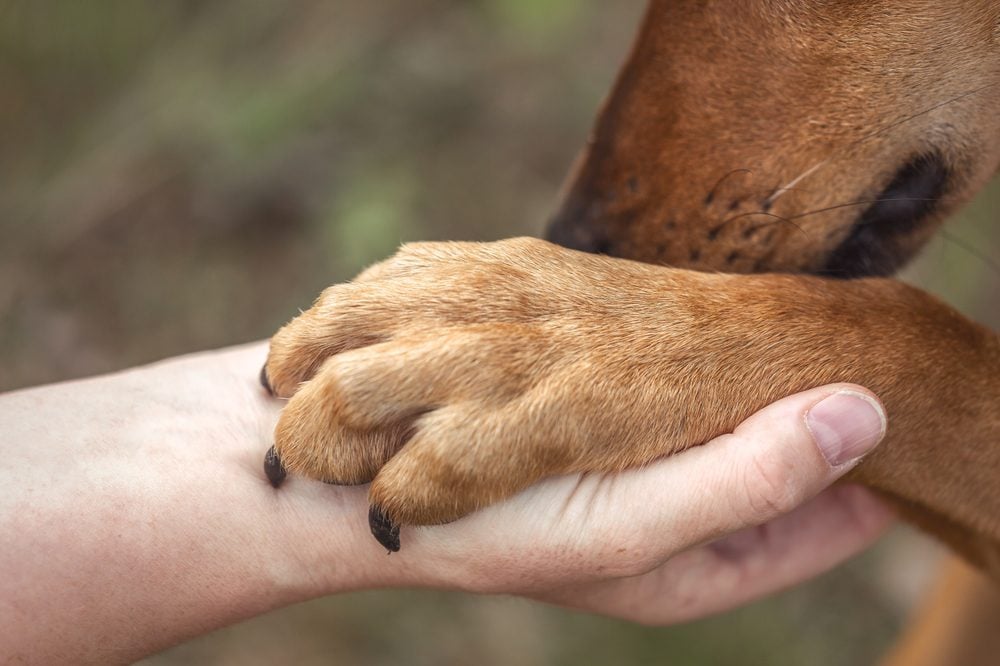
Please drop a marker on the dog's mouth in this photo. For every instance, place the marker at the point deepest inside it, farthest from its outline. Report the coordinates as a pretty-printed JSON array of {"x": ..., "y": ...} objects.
[
  {"x": 881, "y": 240},
  {"x": 890, "y": 231}
]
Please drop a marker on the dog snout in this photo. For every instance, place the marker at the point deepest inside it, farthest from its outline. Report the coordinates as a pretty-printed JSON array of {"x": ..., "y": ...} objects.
[
  {"x": 577, "y": 227},
  {"x": 880, "y": 241}
]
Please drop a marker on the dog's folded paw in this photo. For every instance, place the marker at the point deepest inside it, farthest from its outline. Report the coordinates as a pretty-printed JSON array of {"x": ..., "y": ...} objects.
[
  {"x": 440, "y": 423},
  {"x": 454, "y": 375}
]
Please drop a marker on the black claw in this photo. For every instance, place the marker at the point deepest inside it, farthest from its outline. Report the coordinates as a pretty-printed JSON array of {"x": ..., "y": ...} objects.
[
  {"x": 383, "y": 529},
  {"x": 274, "y": 468},
  {"x": 265, "y": 381}
]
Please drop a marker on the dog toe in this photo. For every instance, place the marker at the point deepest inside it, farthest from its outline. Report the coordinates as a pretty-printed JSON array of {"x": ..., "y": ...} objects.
[{"x": 274, "y": 469}]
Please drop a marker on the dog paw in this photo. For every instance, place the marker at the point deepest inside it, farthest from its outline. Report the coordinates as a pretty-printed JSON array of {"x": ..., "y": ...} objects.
[
  {"x": 439, "y": 423},
  {"x": 454, "y": 375}
]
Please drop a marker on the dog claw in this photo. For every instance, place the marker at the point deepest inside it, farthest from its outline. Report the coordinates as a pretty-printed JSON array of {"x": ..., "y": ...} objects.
[
  {"x": 383, "y": 529},
  {"x": 274, "y": 468},
  {"x": 265, "y": 381}
]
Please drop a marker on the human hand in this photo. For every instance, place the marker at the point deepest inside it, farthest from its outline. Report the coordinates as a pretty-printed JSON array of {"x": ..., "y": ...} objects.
[
  {"x": 140, "y": 498},
  {"x": 454, "y": 375},
  {"x": 694, "y": 534}
]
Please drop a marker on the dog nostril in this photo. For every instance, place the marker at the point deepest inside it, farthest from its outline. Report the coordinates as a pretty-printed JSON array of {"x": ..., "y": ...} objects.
[
  {"x": 873, "y": 247},
  {"x": 576, "y": 234},
  {"x": 913, "y": 193}
]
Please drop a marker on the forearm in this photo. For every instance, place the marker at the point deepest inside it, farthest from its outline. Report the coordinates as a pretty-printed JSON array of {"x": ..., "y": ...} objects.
[
  {"x": 111, "y": 571},
  {"x": 135, "y": 513}
]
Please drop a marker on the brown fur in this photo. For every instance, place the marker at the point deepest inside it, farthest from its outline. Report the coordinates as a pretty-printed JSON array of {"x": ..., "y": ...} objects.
[
  {"x": 453, "y": 375},
  {"x": 731, "y": 117},
  {"x": 957, "y": 625}
]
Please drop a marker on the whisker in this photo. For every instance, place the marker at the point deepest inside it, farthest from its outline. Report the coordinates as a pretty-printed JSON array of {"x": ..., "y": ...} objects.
[
  {"x": 903, "y": 121},
  {"x": 750, "y": 194},
  {"x": 776, "y": 219},
  {"x": 774, "y": 196},
  {"x": 992, "y": 264},
  {"x": 988, "y": 261},
  {"x": 770, "y": 190},
  {"x": 856, "y": 203},
  {"x": 887, "y": 128},
  {"x": 817, "y": 211},
  {"x": 710, "y": 197}
]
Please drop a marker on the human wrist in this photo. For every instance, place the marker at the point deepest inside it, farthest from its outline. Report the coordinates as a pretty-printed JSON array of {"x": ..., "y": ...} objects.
[{"x": 137, "y": 497}]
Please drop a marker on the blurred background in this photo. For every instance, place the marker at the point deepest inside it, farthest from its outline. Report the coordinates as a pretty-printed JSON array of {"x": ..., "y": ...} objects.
[{"x": 176, "y": 176}]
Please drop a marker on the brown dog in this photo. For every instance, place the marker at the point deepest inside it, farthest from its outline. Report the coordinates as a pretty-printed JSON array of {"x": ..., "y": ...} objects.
[{"x": 748, "y": 137}]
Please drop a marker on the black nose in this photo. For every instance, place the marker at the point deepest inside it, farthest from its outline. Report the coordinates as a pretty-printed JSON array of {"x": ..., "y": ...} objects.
[
  {"x": 574, "y": 228},
  {"x": 876, "y": 244}
]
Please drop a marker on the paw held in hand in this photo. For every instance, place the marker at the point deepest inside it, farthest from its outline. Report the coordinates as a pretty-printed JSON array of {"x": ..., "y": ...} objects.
[{"x": 454, "y": 375}]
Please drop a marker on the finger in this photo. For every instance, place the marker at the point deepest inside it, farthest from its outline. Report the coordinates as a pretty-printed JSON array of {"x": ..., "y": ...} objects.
[
  {"x": 773, "y": 462},
  {"x": 742, "y": 567},
  {"x": 626, "y": 524}
]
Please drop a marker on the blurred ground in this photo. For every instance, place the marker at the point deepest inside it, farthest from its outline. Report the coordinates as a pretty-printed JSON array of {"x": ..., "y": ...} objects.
[{"x": 185, "y": 175}]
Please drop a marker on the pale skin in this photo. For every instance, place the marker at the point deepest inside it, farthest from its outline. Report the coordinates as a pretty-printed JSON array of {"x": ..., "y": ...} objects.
[{"x": 136, "y": 515}]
